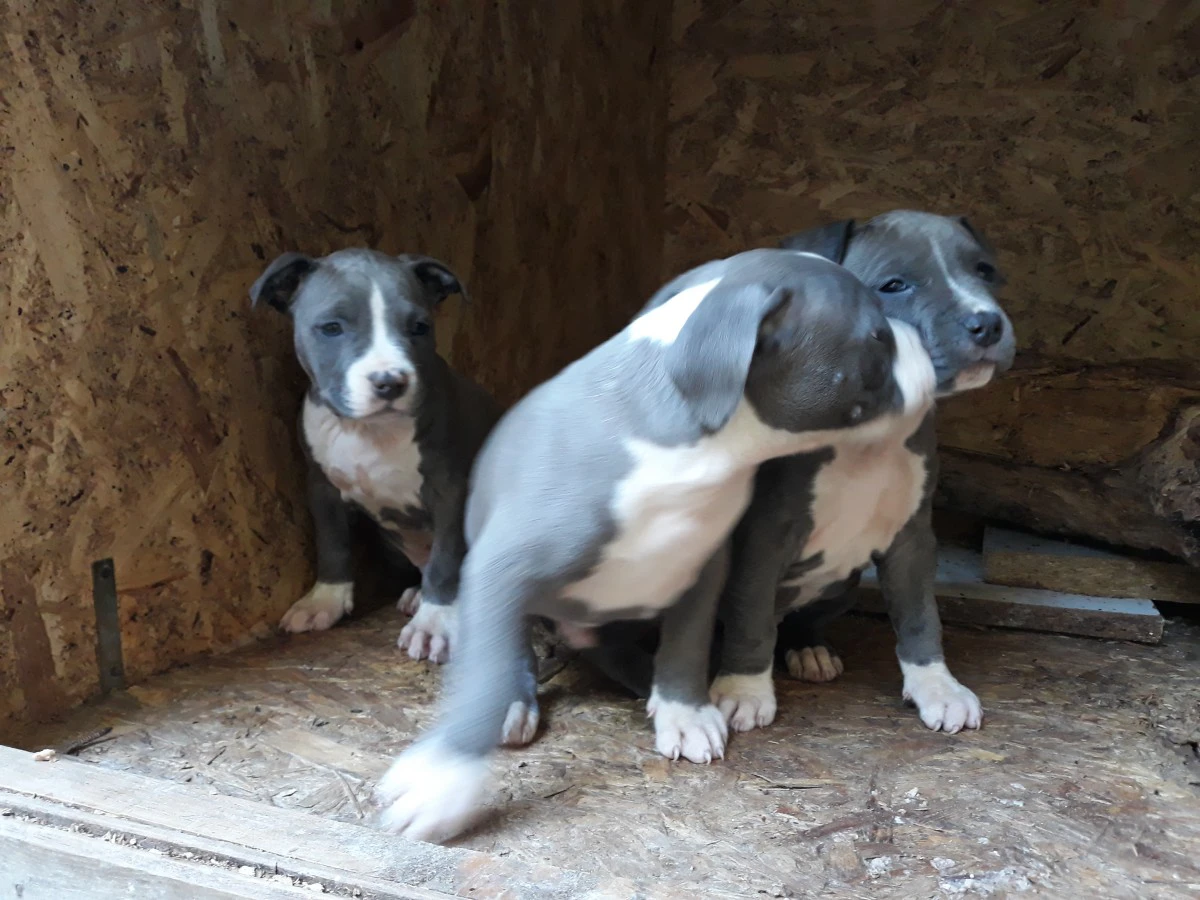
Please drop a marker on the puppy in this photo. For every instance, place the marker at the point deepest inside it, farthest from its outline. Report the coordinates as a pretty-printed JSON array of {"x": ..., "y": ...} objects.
[
  {"x": 389, "y": 430},
  {"x": 609, "y": 493},
  {"x": 818, "y": 520}
]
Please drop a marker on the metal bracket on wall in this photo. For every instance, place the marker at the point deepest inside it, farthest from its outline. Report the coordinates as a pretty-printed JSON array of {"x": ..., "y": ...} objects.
[{"x": 109, "y": 657}]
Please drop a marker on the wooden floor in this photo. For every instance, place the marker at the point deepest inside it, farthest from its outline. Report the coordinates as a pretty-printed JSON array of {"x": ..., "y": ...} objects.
[{"x": 1085, "y": 778}]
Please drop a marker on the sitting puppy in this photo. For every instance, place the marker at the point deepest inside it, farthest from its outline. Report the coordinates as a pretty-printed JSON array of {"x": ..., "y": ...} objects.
[
  {"x": 609, "y": 493},
  {"x": 819, "y": 519},
  {"x": 938, "y": 274},
  {"x": 388, "y": 428}
]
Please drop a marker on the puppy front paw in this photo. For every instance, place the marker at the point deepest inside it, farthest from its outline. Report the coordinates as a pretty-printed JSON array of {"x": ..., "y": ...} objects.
[
  {"x": 410, "y": 601},
  {"x": 430, "y": 633},
  {"x": 521, "y": 724},
  {"x": 746, "y": 701},
  {"x": 941, "y": 701},
  {"x": 695, "y": 733},
  {"x": 816, "y": 664},
  {"x": 432, "y": 793},
  {"x": 320, "y": 608}
]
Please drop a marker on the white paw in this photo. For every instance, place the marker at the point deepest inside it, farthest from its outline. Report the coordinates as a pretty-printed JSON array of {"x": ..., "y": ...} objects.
[
  {"x": 410, "y": 601},
  {"x": 431, "y": 793},
  {"x": 696, "y": 733},
  {"x": 814, "y": 664},
  {"x": 943, "y": 703},
  {"x": 429, "y": 633},
  {"x": 520, "y": 725},
  {"x": 320, "y": 608},
  {"x": 746, "y": 701}
]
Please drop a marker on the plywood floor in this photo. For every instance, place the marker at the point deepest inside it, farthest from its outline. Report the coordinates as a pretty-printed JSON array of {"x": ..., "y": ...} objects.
[{"x": 1084, "y": 779}]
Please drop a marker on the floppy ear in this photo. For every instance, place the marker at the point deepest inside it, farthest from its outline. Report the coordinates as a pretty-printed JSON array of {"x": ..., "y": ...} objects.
[
  {"x": 436, "y": 276},
  {"x": 829, "y": 241},
  {"x": 710, "y": 359},
  {"x": 977, "y": 235},
  {"x": 277, "y": 285}
]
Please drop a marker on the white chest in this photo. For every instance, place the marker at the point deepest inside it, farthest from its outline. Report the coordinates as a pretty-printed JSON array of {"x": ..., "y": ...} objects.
[
  {"x": 374, "y": 463},
  {"x": 861, "y": 500},
  {"x": 671, "y": 512}
]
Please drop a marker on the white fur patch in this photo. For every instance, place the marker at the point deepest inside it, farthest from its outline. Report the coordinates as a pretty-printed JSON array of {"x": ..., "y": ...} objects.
[
  {"x": 320, "y": 608},
  {"x": 383, "y": 354},
  {"x": 430, "y": 633},
  {"x": 372, "y": 462},
  {"x": 432, "y": 794},
  {"x": 973, "y": 377},
  {"x": 695, "y": 733},
  {"x": 746, "y": 701},
  {"x": 815, "y": 664},
  {"x": 942, "y": 702},
  {"x": 663, "y": 323},
  {"x": 520, "y": 725},
  {"x": 971, "y": 297},
  {"x": 861, "y": 500},
  {"x": 912, "y": 368},
  {"x": 671, "y": 511}
]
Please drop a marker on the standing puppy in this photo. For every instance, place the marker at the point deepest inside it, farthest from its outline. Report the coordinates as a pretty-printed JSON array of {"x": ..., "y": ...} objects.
[
  {"x": 609, "y": 493},
  {"x": 388, "y": 428}
]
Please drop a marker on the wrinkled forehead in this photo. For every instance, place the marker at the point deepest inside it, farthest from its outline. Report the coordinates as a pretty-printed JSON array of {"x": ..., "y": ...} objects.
[
  {"x": 927, "y": 244},
  {"x": 352, "y": 286}
]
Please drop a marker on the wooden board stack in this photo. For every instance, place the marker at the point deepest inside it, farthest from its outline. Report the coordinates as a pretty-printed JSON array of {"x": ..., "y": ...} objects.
[{"x": 1027, "y": 582}]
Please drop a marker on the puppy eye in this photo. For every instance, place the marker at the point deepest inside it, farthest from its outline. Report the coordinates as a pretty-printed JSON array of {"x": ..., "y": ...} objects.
[
  {"x": 878, "y": 335},
  {"x": 330, "y": 329},
  {"x": 895, "y": 286},
  {"x": 417, "y": 329},
  {"x": 986, "y": 271}
]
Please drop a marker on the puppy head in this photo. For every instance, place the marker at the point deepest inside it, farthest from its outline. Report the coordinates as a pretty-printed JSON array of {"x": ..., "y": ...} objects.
[
  {"x": 362, "y": 324},
  {"x": 803, "y": 340},
  {"x": 938, "y": 274}
]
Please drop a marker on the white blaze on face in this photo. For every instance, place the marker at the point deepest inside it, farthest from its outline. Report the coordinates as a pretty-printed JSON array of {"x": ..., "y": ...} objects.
[
  {"x": 969, "y": 295},
  {"x": 383, "y": 354},
  {"x": 663, "y": 323},
  {"x": 912, "y": 368}
]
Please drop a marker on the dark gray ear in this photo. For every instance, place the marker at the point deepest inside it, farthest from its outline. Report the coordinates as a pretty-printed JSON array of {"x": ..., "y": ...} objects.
[
  {"x": 436, "y": 276},
  {"x": 829, "y": 241},
  {"x": 277, "y": 285},
  {"x": 710, "y": 359},
  {"x": 977, "y": 235}
]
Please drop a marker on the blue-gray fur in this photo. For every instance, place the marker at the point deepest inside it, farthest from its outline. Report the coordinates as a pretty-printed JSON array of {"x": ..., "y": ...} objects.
[
  {"x": 451, "y": 414},
  {"x": 896, "y": 246}
]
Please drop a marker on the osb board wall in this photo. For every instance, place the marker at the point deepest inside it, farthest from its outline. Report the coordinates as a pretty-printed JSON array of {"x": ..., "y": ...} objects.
[
  {"x": 1067, "y": 131},
  {"x": 154, "y": 156}
]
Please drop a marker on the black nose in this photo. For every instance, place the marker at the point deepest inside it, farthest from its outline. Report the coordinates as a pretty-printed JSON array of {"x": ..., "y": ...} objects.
[
  {"x": 388, "y": 385},
  {"x": 985, "y": 327}
]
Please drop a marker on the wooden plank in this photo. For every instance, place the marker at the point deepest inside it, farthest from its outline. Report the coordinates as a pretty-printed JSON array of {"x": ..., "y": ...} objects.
[
  {"x": 1025, "y": 560},
  {"x": 963, "y": 596},
  {"x": 299, "y": 840},
  {"x": 45, "y": 863},
  {"x": 181, "y": 845}
]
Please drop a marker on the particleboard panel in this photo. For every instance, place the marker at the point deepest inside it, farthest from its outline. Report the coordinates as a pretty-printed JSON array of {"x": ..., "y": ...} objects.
[
  {"x": 1083, "y": 780},
  {"x": 154, "y": 157},
  {"x": 1066, "y": 131}
]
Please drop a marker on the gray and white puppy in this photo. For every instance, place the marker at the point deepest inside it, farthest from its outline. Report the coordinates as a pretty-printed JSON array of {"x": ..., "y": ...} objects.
[
  {"x": 819, "y": 519},
  {"x": 610, "y": 491},
  {"x": 389, "y": 429}
]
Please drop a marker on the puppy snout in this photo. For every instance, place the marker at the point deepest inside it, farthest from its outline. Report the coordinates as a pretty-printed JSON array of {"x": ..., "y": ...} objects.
[
  {"x": 985, "y": 328},
  {"x": 389, "y": 385}
]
